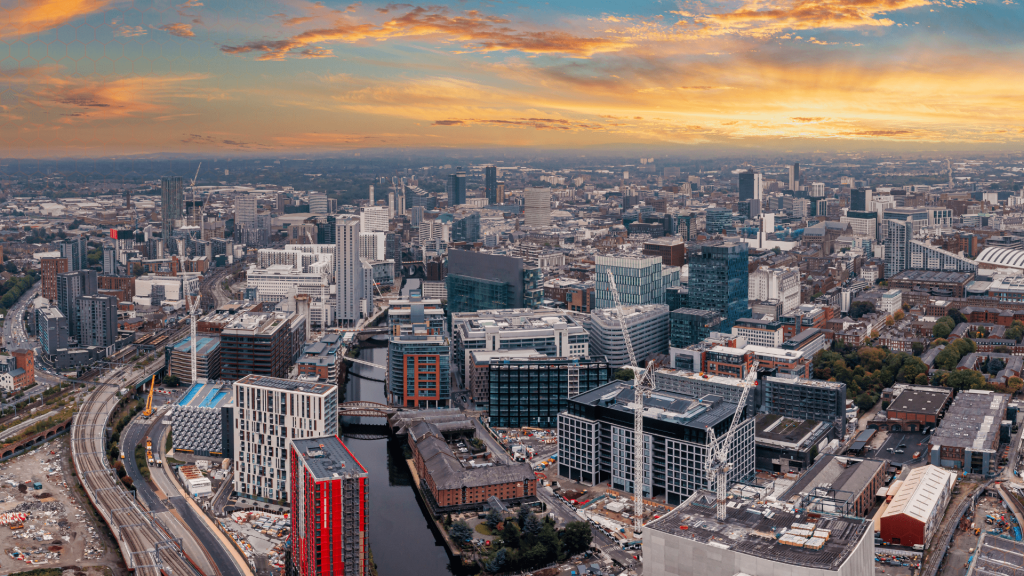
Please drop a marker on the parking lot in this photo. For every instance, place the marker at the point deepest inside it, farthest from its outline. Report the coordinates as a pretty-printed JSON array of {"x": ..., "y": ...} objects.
[{"x": 909, "y": 442}]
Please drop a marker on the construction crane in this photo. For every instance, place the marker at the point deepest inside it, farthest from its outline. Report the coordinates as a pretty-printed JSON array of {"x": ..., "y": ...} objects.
[
  {"x": 193, "y": 296},
  {"x": 192, "y": 185},
  {"x": 716, "y": 463},
  {"x": 149, "y": 399},
  {"x": 643, "y": 386}
]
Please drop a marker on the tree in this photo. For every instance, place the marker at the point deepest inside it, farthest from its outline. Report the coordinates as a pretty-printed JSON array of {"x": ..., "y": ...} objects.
[
  {"x": 777, "y": 250},
  {"x": 873, "y": 336},
  {"x": 577, "y": 537},
  {"x": 1013, "y": 384},
  {"x": 460, "y": 532},
  {"x": 899, "y": 315},
  {"x": 498, "y": 563},
  {"x": 1002, "y": 350},
  {"x": 624, "y": 374},
  {"x": 531, "y": 527},
  {"x": 889, "y": 321},
  {"x": 511, "y": 535},
  {"x": 917, "y": 347},
  {"x": 171, "y": 381},
  {"x": 493, "y": 519},
  {"x": 864, "y": 401},
  {"x": 947, "y": 359},
  {"x": 921, "y": 380},
  {"x": 956, "y": 316},
  {"x": 943, "y": 327},
  {"x": 860, "y": 308},
  {"x": 965, "y": 379}
]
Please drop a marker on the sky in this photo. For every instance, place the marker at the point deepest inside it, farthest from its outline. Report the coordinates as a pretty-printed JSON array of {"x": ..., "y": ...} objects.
[{"x": 118, "y": 78}]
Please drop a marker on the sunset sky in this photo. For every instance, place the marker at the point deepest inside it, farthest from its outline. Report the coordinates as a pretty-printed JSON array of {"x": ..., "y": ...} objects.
[{"x": 103, "y": 77}]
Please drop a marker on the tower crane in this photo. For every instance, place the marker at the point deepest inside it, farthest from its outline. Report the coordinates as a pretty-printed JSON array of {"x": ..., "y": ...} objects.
[
  {"x": 149, "y": 399},
  {"x": 643, "y": 386},
  {"x": 716, "y": 463},
  {"x": 193, "y": 296}
]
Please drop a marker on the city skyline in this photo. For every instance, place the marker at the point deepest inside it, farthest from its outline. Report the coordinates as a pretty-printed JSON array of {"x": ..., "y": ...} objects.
[{"x": 101, "y": 77}]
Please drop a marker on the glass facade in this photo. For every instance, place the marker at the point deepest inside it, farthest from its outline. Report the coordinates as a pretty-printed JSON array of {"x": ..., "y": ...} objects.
[
  {"x": 689, "y": 326},
  {"x": 719, "y": 281},
  {"x": 467, "y": 294},
  {"x": 718, "y": 219},
  {"x": 466, "y": 228},
  {"x": 532, "y": 392},
  {"x": 638, "y": 280},
  {"x": 419, "y": 371}
]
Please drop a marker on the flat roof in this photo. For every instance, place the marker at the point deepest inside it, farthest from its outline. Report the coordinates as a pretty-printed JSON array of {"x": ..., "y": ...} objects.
[
  {"x": 287, "y": 385},
  {"x": 751, "y": 529},
  {"x": 661, "y": 405},
  {"x": 972, "y": 421},
  {"x": 327, "y": 458},
  {"x": 918, "y": 400},
  {"x": 933, "y": 276},
  {"x": 862, "y": 439},
  {"x": 204, "y": 345},
  {"x": 204, "y": 394},
  {"x": 782, "y": 430},
  {"x": 998, "y": 557}
]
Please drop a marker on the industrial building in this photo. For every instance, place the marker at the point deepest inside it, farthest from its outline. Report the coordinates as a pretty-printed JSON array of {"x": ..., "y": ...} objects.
[
  {"x": 595, "y": 440},
  {"x": 913, "y": 515},
  {"x": 839, "y": 484},
  {"x": 790, "y": 445},
  {"x": 969, "y": 435},
  {"x": 758, "y": 539},
  {"x": 533, "y": 391},
  {"x": 179, "y": 359},
  {"x": 648, "y": 327},
  {"x": 202, "y": 423},
  {"x": 914, "y": 408},
  {"x": 330, "y": 509},
  {"x": 301, "y": 410}
]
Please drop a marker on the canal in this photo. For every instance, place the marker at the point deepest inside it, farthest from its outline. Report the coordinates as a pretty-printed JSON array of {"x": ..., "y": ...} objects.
[{"x": 401, "y": 535}]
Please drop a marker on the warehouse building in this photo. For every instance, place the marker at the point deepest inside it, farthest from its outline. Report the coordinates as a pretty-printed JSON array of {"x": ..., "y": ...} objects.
[
  {"x": 789, "y": 444},
  {"x": 179, "y": 359},
  {"x": 914, "y": 513},
  {"x": 202, "y": 422},
  {"x": 839, "y": 484},
  {"x": 914, "y": 408},
  {"x": 968, "y": 437},
  {"x": 595, "y": 440},
  {"x": 757, "y": 539}
]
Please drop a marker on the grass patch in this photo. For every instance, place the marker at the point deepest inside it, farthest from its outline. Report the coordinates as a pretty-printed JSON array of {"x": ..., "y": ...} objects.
[
  {"x": 170, "y": 441},
  {"x": 484, "y": 529},
  {"x": 174, "y": 462}
]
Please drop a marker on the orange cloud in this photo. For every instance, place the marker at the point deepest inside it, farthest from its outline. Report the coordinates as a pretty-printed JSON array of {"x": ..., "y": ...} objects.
[
  {"x": 476, "y": 32},
  {"x": 759, "y": 17},
  {"x": 34, "y": 16},
  {"x": 178, "y": 29}
]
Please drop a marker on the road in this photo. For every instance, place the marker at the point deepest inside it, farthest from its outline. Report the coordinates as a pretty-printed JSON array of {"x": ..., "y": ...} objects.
[{"x": 14, "y": 325}]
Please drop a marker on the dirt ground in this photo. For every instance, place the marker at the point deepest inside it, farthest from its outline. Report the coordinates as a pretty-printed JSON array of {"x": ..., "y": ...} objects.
[
  {"x": 965, "y": 540},
  {"x": 59, "y": 531}
]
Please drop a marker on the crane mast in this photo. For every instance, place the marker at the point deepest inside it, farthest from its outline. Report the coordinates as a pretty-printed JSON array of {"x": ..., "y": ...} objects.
[
  {"x": 716, "y": 462},
  {"x": 643, "y": 385},
  {"x": 193, "y": 297}
]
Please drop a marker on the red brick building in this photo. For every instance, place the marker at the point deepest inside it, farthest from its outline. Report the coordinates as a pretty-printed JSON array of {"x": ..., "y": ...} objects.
[{"x": 51, "y": 267}]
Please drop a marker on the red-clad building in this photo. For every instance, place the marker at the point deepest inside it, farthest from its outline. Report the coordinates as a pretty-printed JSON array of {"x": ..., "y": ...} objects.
[{"x": 329, "y": 509}]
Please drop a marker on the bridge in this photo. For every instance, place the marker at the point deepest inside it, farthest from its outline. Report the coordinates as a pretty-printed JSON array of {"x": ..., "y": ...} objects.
[
  {"x": 365, "y": 363},
  {"x": 366, "y": 409}
]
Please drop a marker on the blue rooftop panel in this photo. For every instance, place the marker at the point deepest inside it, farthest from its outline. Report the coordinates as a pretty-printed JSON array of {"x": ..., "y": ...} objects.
[{"x": 191, "y": 392}]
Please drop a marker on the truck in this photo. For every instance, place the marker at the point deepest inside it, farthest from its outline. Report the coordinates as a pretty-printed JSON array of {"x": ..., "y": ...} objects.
[{"x": 918, "y": 547}]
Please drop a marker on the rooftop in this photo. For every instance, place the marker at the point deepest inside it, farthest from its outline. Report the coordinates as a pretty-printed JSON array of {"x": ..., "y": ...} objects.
[
  {"x": 933, "y": 276},
  {"x": 998, "y": 557},
  {"x": 752, "y": 530},
  {"x": 921, "y": 492},
  {"x": 204, "y": 345},
  {"x": 662, "y": 405},
  {"x": 972, "y": 421},
  {"x": 844, "y": 478},
  {"x": 328, "y": 459},
  {"x": 474, "y": 325},
  {"x": 289, "y": 385},
  {"x": 920, "y": 400},
  {"x": 205, "y": 394},
  {"x": 775, "y": 429}
]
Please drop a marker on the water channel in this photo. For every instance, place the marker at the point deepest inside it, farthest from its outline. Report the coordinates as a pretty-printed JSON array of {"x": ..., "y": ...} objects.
[{"x": 401, "y": 535}]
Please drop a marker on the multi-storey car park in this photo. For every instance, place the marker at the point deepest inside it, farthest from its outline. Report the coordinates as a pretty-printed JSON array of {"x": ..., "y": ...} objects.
[{"x": 202, "y": 421}]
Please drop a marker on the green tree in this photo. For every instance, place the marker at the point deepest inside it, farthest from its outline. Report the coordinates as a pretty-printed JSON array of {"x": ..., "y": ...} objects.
[
  {"x": 943, "y": 327},
  {"x": 947, "y": 359},
  {"x": 624, "y": 374},
  {"x": 460, "y": 532},
  {"x": 956, "y": 316},
  {"x": 860, "y": 308},
  {"x": 499, "y": 562},
  {"x": 917, "y": 347},
  {"x": 921, "y": 379},
  {"x": 965, "y": 379},
  {"x": 511, "y": 535},
  {"x": 864, "y": 401},
  {"x": 577, "y": 537},
  {"x": 493, "y": 519}
]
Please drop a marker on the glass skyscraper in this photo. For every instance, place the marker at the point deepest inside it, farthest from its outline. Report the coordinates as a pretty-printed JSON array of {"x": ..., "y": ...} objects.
[
  {"x": 718, "y": 219},
  {"x": 719, "y": 281},
  {"x": 457, "y": 187},
  {"x": 638, "y": 280}
]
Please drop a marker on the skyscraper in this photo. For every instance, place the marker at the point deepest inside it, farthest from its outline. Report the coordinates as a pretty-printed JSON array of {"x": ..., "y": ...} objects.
[
  {"x": 746, "y": 185},
  {"x": 466, "y": 227},
  {"x": 70, "y": 287},
  {"x": 499, "y": 194},
  {"x": 245, "y": 210},
  {"x": 172, "y": 205},
  {"x": 76, "y": 251},
  {"x": 52, "y": 267},
  {"x": 537, "y": 207},
  {"x": 637, "y": 278},
  {"x": 456, "y": 187},
  {"x": 348, "y": 271},
  {"x": 860, "y": 200},
  {"x": 794, "y": 176},
  {"x": 97, "y": 317},
  {"x": 373, "y": 219},
  {"x": 491, "y": 184},
  {"x": 719, "y": 281}
]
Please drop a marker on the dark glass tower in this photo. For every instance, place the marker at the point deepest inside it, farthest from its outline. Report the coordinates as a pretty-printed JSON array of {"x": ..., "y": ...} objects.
[
  {"x": 746, "y": 185},
  {"x": 491, "y": 184},
  {"x": 719, "y": 281},
  {"x": 457, "y": 187}
]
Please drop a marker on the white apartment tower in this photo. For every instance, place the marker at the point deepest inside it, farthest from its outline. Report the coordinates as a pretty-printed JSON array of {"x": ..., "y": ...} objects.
[
  {"x": 245, "y": 210},
  {"x": 348, "y": 271},
  {"x": 372, "y": 245},
  {"x": 374, "y": 219},
  {"x": 537, "y": 207},
  {"x": 269, "y": 413},
  {"x": 782, "y": 284},
  {"x": 817, "y": 190}
]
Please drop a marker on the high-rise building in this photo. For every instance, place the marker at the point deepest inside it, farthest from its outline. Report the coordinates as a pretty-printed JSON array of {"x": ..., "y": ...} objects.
[
  {"x": 298, "y": 410},
  {"x": 97, "y": 317},
  {"x": 719, "y": 220},
  {"x": 902, "y": 252},
  {"x": 261, "y": 343},
  {"x": 52, "y": 329},
  {"x": 419, "y": 369},
  {"x": 52, "y": 267},
  {"x": 456, "y": 187},
  {"x": 348, "y": 272},
  {"x": 499, "y": 194},
  {"x": 479, "y": 281},
  {"x": 330, "y": 512},
  {"x": 688, "y": 326},
  {"x": 76, "y": 251},
  {"x": 747, "y": 190},
  {"x": 491, "y": 184},
  {"x": 817, "y": 190},
  {"x": 109, "y": 260},
  {"x": 172, "y": 205},
  {"x": 372, "y": 245},
  {"x": 719, "y": 281},
  {"x": 532, "y": 391},
  {"x": 638, "y": 279},
  {"x": 782, "y": 284},
  {"x": 860, "y": 200},
  {"x": 537, "y": 207},
  {"x": 71, "y": 286},
  {"x": 319, "y": 203},
  {"x": 648, "y": 331},
  {"x": 672, "y": 250},
  {"x": 466, "y": 227},
  {"x": 373, "y": 219},
  {"x": 245, "y": 210},
  {"x": 794, "y": 176}
]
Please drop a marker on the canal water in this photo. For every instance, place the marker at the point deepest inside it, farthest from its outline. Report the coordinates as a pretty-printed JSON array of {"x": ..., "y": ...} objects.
[{"x": 401, "y": 535}]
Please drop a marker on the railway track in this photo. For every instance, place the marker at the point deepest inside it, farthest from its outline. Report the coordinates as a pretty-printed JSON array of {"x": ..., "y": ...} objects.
[{"x": 146, "y": 545}]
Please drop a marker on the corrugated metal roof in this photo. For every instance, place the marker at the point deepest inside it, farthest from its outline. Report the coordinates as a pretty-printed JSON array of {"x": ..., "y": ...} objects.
[{"x": 921, "y": 492}]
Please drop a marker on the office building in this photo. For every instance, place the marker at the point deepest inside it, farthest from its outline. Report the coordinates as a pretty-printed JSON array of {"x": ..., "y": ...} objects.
[
  {"x": 537, "y": 207},
  {"x": 419, "y": 369},
  {"x": 719, "y": 281},
  {"x": 805, "y": 399},
  {"x": 330, "y": 509},
  {"x": 478, "y": 281},
  {"x": 794, "y": 176},
  {"x": 172, "y": 206},
  {"x": 75, "y": 251},
  {"x": 491, "y": 184},
  {"x": 860, "y": 200},
  {"x": 648, "y": 328},
  {"x": 300, "y": 409},
  {"x": 51, "y": 267},
  {"x": 902, "y": 252},
  {"x": 759, "y": 331},
  {"x": 373, "y": 219},
  {"x": 348, "y": 273},
  {"x": 319, "y": 203},
  {"x": 97, "y": 321},
  {"x": 638, "y": 279},
  {"x": 261, "y": 343},
  {"x": 466, "y": 228},
  {"x": 719, "y": 220},
  {"x": 208, "y": 359},
  {"x": 51, "y": 329},
  {"x": 416, "y": 311},
  {"x": 688, "y": 326},
  {"x": 781, "y": 284},
  {"x": 203, "y": 421},
  {"x": 787, "y": 445},
  {"x": 456, "y": 187},
  {"x": 839, "y": 485},
  {"x": 914, "y": 514},
  {"x": 746, "y": 183},
  {"x": 71, "y": 286},
  {"x": 550, "y": 332},
  {"x": 322, "y": 360},
  {"x": 533, "y": 391},
  {"x": 968, "y": 437},
  {"x": 672, "y": 250},
  {"x": 595, "y": 441}
]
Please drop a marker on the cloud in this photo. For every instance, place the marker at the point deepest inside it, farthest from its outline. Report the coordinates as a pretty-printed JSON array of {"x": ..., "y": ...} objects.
[
  {"x": 130, "y": 31},
  {"x": 34, "y": 16},
  {"x": 536, "y": 123},
  {"x": 471, "y": 30},
  {"x": 316, "y": 53},
  {"x": 766, "y": 17},
  {"x": 178, "y": 29}
]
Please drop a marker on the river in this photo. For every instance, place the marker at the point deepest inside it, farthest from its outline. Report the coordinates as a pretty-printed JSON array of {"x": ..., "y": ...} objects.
[{"x": 401, "y": 534}]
